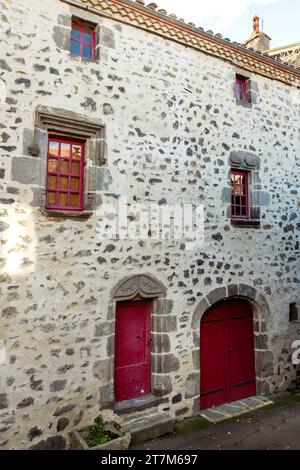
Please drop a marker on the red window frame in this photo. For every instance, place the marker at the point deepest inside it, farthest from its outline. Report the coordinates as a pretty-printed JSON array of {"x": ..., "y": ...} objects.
[
  {"x": 84, "y": 28},
  {"x": 56, "y": 165},
  {"x": 241, "y": 88},
  {"x": 240, "y": 208}
]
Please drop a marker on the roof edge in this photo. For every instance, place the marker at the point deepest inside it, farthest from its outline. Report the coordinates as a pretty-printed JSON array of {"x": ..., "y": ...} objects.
[{"x": 127, "y": 11}]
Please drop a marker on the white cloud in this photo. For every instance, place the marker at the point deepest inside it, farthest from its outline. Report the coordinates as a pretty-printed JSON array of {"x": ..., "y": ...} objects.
[{"x": 218, "y": 15}]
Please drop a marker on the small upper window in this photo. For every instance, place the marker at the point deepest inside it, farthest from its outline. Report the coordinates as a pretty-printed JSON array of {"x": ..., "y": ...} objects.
[
  {"x": 83, "y": 40},
  {"x": 239, "y": 194},
  {"x": 65, "y": 167},
  {"x": 241, "y": 88}
]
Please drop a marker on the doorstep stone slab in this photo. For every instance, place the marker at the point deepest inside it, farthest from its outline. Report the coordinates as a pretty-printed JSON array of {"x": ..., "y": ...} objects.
[
  {"x": 149, "y": 427},
  {"x": 137, "y": 404},
  {"x": 237, "y": 408}
]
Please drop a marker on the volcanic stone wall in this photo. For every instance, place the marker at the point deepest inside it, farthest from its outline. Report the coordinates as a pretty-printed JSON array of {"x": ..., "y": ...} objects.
[{"x": 172, "y": 131}]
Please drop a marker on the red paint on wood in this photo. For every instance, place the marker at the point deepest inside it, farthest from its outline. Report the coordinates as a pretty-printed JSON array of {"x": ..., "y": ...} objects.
[
  {"x": 83, "y": 40},
  {"x": 133, "y": 350},
  {"x": 240, "y": 194},
  {"x": 65, "y": 174},
  {"x": 227, "y": 354}
]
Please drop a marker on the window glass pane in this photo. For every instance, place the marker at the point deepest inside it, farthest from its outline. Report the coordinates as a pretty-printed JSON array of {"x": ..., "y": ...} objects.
[
  {"x": 65, "y": 150},
  {"x": 75, "y": 47},
  {"x": 52, "y": 182},
  {"x": 63, "y": 199},
  {"x": 75, "y": 32},
  {"x": 52, "y": 165},
  {"x": 51, "y": 199},
  {"x": 64, "y": 167},
  {"x": 86, "y": 51},
  {"x": 75, "y": 184},
  {"x": 63, "y": 182},
  {"x": 76, "y": 151},
  {"x": 53, "y": 148},
  {"x": 75, "y": 168},
  {"x": 87, "y": 36},
  {"x": 74, "y": 200}
]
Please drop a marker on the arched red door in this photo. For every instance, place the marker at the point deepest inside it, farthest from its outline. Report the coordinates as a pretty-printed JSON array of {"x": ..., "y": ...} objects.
[{"x": 227, "y": 354}]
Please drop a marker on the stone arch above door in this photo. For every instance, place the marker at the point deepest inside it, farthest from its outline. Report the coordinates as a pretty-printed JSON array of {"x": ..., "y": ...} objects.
[
  {"x": 261, "y": 309},
  {"x": 261, "y": 313},
  {"x": 163, "y": 323},
  {"x": 143, "y": 285}
]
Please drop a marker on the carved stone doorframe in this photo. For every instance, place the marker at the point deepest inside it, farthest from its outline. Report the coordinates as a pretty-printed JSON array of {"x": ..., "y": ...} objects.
[{"x": 142, "y": 286}]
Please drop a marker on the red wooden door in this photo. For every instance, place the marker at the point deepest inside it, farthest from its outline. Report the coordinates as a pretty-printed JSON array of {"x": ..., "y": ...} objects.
[
  {"x": 133, "y": 350},
  {"x": 227, "y": 354}
]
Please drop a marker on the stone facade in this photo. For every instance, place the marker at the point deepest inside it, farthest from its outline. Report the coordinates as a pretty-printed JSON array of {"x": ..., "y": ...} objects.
[{"x": 163, "y": 126}]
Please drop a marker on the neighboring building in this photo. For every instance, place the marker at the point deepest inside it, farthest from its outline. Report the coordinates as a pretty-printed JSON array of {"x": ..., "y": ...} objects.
[
  {"x": 289, "y": 54},
  {"x": 108, "y": 98},
  {"x": 261, "y": 42}
]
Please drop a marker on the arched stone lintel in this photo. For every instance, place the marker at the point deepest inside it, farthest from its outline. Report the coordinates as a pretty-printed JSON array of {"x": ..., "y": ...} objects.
[
  {"x": 143, "y": 285},
  {"x": 224, "y": 293}
]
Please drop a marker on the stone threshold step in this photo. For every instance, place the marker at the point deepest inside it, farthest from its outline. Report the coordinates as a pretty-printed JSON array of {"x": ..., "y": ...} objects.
[
  {"x": 237, "y": 408},
  {"x": 149, "y": 427}
]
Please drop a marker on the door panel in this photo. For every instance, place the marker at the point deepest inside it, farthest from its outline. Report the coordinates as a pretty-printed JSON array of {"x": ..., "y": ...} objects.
[
  {"x": 242, "y": 378},
  {"x": 132, "y": 350},
  {"x": 213, "y": 359},
  {"x": 227, "y": 354}
]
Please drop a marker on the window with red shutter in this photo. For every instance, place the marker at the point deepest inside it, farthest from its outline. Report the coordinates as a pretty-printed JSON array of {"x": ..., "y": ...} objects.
[
  {"x": 241, "y": 89},
  {"x": 240, "y": 194},
  {"x": 65, "y": 175},
  {"x": 83, "y": 40}
]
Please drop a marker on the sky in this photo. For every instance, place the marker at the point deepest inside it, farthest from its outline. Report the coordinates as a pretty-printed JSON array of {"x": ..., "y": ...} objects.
[{"x": 233, "y": 18}]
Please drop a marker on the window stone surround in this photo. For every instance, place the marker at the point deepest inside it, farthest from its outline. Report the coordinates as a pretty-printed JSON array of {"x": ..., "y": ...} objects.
[
  {"x": 31, "y": 167},
  {"x": 246, "y": 161}
]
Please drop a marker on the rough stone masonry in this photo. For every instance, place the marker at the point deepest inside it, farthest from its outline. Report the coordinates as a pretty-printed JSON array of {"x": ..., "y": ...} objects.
[{"x": 164, "y": 121}]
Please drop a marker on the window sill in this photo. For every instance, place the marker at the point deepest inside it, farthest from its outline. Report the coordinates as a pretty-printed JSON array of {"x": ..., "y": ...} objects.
[
  {"x": 244, "y": 104},
  {"x": 246, "y": 223},
  {"x": 84, "y": 59},
  {"x": 66, "y": 214}
]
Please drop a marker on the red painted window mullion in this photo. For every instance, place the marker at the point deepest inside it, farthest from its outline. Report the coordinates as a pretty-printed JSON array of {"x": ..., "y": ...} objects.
[
  {"x": 240, "y": 190},
  {"x": 59, "y": 190},
  {"x": 93, "y": 45}
]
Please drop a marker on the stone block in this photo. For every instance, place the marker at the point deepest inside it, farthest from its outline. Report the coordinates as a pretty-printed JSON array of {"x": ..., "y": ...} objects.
[
  {"x": 247, "y": 291},
  {"x": 233, "y": 290},
  {"x": 61, "y": 37},
  {"x": 199, "y": 311},
  {"x": 161, "y": 343},
  {"x": 106, "y": 396},
  {"x": 52, "y": 443},
  {"x": 26, "y": 170},
  {"x": 265, "y": 363},
  {"x": 161, "y": 385},
  {"x": 217, "y": 295},
  {"x": 170, "y": 363},
  {"x": 192, "y": 386},
  {"x": 149, "y": 427},
  {"x": 107, "y": 37},
  {"x": 103, "y": 370},
  {"x": 226, "y": 195},
  {"x": 196, "y": 359}
]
